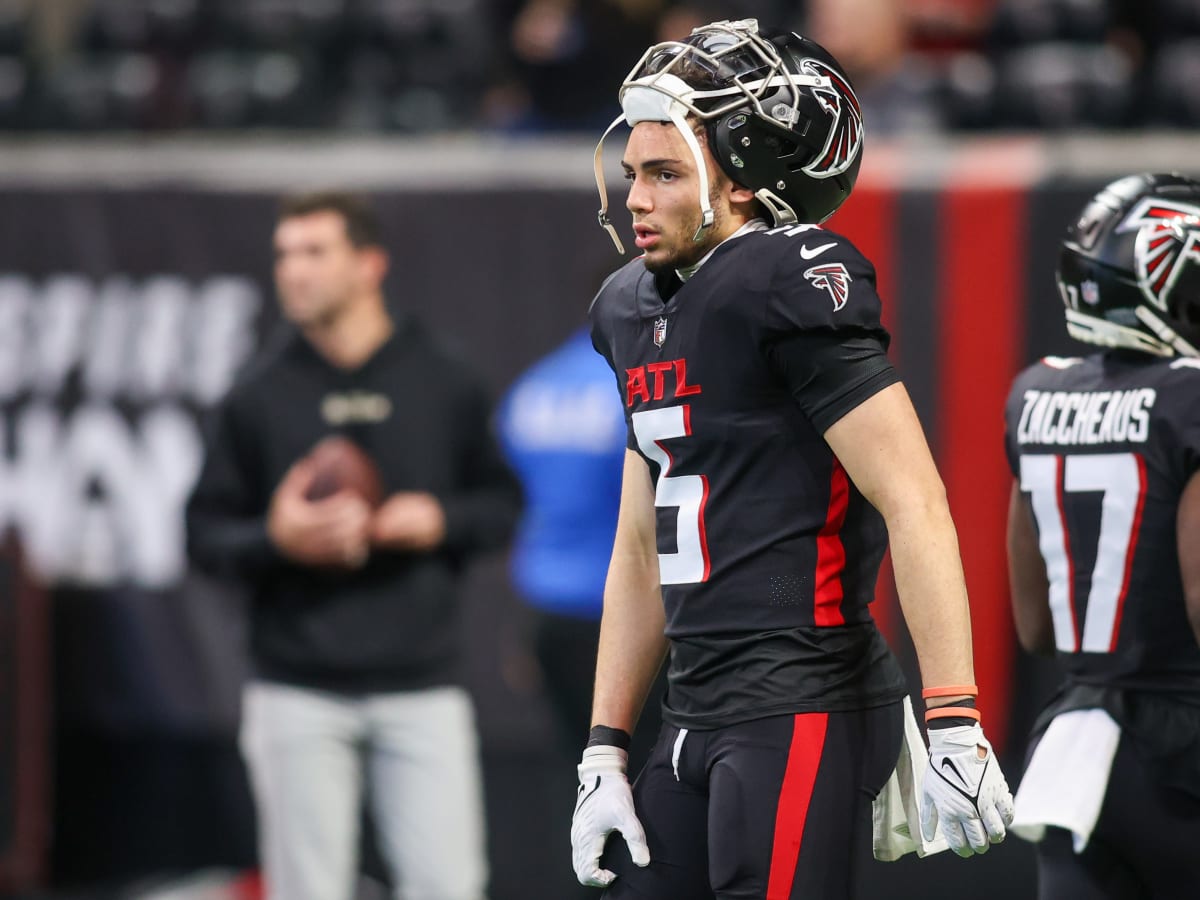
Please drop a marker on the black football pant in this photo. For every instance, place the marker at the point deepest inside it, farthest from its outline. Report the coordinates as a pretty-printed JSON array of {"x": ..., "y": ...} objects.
[
  {"x": 1146, "y": 845},
  {"x": 773, "y": 809}
]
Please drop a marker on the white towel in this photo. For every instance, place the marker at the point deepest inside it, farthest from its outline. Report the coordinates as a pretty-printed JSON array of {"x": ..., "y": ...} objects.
[
  {"x": 896, "y": 812},
  {"x": 1067, "y": 776}
]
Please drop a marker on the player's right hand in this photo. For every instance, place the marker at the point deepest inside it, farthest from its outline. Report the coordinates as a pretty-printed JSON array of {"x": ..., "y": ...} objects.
[{"x": 604, "y": 804}]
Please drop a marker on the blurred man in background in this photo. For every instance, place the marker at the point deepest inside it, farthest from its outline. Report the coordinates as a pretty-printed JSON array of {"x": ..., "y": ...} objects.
[
  {"x": 354, "y": 562},
  {"x": 1104, "y": 553}
]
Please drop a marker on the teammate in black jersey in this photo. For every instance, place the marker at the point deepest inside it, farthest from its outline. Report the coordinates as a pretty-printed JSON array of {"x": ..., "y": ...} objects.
[
  {"x": 1104, "y": 553},
  {"x": 772, "y": 449}
]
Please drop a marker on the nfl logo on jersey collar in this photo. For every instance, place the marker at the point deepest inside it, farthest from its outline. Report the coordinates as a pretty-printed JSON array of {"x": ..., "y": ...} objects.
[{"x": 660, "y": 330}]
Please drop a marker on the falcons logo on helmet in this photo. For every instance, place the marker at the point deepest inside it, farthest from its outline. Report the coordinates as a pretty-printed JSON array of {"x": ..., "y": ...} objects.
[
  {"x": 834, "y": 278},
  {"x": 846, "y": 136},
  {"x": 1168, "y": 240}
]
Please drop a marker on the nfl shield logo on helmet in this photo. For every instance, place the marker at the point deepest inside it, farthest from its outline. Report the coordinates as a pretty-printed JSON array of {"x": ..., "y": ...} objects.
[
  {"x": 660, "y": 331},
  {"x": 1090, "y": 291}
]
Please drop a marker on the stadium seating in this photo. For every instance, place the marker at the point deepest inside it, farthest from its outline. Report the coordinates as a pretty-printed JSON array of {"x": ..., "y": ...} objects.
[{"x": 427, "y": 65}]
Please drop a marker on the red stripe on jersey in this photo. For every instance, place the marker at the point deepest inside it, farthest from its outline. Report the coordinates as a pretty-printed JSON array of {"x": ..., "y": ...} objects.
[
  {"x": 831, "y": 553},
  {"x": 1062, "y": 524},
  {"x": 687, "y": 429},
  {"x": 804, "y": 758},
  {"x": 1130, "y": 550}
]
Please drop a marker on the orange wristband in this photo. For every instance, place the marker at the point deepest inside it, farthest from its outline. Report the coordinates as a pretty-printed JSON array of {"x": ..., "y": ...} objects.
[
  {"x": 946, "y": 712},
  {"x": 950, "y": 690}
]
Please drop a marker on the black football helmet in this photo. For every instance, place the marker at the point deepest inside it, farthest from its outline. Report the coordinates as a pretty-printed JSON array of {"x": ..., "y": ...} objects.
[
  {"x": 1129, "y": 268},
  {"x": 780, "y": 115}
]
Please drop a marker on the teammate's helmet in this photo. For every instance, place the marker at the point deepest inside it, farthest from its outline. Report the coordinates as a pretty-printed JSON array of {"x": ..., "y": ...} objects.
[
  {"x": 1129, "y": 268},
  {"x": 780, "y": 114}
]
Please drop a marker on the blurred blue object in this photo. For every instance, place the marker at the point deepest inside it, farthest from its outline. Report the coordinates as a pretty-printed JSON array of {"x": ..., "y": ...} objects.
[{"x": 562, "y": 429}]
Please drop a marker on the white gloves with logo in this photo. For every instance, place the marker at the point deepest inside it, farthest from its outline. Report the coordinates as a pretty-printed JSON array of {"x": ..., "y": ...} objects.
[
  {"x": 965, "y": 792},
  {"x": 604, "y": 804}
]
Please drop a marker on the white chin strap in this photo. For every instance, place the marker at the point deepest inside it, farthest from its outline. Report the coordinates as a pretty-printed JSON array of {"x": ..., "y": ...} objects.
[{"x": 654, "y": 103}]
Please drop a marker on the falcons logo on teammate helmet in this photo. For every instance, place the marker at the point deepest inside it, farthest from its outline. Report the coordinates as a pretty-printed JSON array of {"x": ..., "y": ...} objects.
[
  {"x": 846, "y": 136},
  {"x": 834, "y": 278},
  {"x": 1167, "y": 242}
]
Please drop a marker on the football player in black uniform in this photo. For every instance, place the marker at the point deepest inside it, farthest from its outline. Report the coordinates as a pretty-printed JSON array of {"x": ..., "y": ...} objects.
[
  {"x": 1104, "y": 553},
  {"x": 772, "y": 449}
]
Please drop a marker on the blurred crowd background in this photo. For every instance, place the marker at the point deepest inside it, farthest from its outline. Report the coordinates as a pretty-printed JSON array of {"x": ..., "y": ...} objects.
[{"x": 420, "y": 66}]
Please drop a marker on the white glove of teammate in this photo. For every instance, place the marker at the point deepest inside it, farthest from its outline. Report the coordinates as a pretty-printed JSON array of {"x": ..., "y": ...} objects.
[
  {"x": 966, "y": 793},
  {"x": 604, "y": 804}
]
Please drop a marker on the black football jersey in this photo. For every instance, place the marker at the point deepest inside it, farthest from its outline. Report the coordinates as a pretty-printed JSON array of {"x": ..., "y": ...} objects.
[
  {"x": 1102, "y": 447},
  {"x": 768, "y": 555}
]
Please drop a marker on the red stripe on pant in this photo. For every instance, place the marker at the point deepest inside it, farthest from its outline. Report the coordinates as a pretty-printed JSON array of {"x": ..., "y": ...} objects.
[
  {"x": 804, "y": 758},
  {"x": 831, "y": 553}
]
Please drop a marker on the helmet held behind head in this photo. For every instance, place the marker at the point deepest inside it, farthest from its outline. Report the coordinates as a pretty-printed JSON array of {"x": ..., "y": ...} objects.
[
  {"x": 1129, "y": 266},
  {"x": 798, "y": 146},
  {"x": 778, "y": 111}
]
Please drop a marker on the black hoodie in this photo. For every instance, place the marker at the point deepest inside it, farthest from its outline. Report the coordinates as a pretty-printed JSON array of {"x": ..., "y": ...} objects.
[{"x": 423, "y": 415}]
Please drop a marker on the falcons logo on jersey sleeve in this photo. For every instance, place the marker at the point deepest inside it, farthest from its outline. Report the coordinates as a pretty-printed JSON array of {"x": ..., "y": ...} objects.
[
  {"x": 1167, "y": 242},
  {"x": 834, "y": 278}
]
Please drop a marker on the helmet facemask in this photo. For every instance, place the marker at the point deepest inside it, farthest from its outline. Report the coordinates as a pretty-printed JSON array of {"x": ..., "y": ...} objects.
[{"x": 724, "y": 75}]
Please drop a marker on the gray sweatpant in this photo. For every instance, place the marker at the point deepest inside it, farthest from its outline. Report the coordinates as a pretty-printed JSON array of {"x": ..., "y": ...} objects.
[{"x": 311, "y": 755}]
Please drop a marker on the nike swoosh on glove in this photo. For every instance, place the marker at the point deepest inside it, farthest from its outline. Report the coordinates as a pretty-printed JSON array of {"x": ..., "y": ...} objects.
[
  {"x": 604, "y": 804},
  {"x": 965, "y": 793}
]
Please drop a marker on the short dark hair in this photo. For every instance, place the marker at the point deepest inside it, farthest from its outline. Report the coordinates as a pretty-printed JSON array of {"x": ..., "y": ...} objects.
[{"x": 362, "y": 224}]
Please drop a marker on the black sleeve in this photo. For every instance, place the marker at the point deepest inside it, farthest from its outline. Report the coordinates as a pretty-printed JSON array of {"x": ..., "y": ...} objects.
[
  {"x": 226, "y": 513},
  {"x": 600, "y": 344},
  {"x": 830, "y": 373},
  {"x": 482, "y": 511},
  {"x": 1182, "y": 414}
]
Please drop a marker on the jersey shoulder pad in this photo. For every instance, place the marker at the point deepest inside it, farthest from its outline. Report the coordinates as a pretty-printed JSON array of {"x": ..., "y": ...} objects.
[
  {"x": 616, "y": 295},
  {"x": 1050, "y": 373},
  {"x": 619, "y": 286},
  {"x": 819, "y": 280},
  {"x": 1177, "y": 385}
]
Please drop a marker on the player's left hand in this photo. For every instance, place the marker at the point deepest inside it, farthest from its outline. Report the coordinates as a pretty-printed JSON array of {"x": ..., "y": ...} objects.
[
  {"x": 965, "y": 791},
  {"x": 604, "y": 804}
]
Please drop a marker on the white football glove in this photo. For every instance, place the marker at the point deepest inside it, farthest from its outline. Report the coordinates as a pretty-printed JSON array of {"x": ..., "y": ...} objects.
[
  {"x": 965, "y": 793},
  {"x": 604, "y": 804}
]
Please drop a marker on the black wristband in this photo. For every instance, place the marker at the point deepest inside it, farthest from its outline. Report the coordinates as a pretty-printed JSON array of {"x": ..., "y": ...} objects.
[
  {"x": 951, "y": 721},
  {"x": 603, "y": 736}
]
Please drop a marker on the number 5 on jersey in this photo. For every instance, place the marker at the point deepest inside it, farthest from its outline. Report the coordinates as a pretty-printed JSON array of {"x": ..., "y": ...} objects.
[
  {"x": 1121, "y": 479},
  {"x": 689, "y": 563}
]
